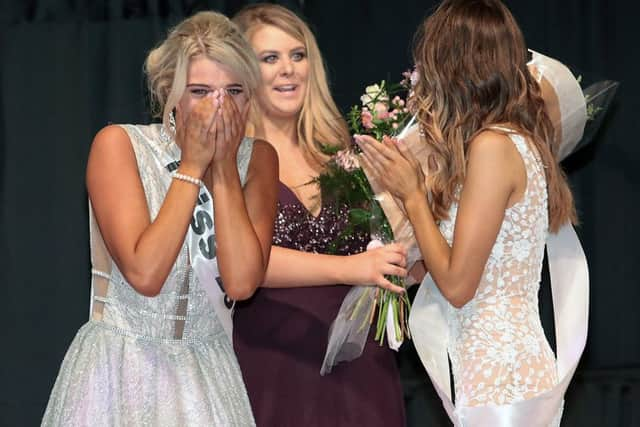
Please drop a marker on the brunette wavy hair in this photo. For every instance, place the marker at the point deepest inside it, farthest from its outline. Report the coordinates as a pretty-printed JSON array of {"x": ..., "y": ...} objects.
[{"x": 472, "y": 64}]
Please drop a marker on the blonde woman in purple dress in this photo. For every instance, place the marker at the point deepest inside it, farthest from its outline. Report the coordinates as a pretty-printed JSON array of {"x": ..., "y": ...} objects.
[{"x": 280, "y": 335}]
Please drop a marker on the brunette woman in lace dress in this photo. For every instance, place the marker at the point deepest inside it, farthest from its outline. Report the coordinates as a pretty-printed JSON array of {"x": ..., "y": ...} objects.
[{"x": 496, "y": 191}]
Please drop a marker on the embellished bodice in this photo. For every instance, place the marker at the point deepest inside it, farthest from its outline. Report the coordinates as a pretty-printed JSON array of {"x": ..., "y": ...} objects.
[
  {"x": 263, "y": 321},
  {"x": 498, "y": 350},
  {"x": 181, "y": 311},
  {"x": 296, "y": 228}
]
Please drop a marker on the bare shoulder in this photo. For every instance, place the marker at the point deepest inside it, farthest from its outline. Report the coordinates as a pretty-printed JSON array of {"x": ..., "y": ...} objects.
[
  {"x": 494, "y": 160},
  {"x": 264, "y": 155},
  {"x": 493, "y": 147},
  {"x": 111, "y": 152},
  {"x": 262, "y": 176},
  {"x": 111, "y": 134},
  {"x": 491, "y": 140},
  {"x": 109, "y": 141}
]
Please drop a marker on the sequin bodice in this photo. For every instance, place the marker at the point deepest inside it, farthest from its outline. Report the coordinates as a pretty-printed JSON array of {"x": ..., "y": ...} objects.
[
  {"x": 307, "y": 310},
  {"x": 296, "y": 228},
  {"x": 498, "y": 350}
]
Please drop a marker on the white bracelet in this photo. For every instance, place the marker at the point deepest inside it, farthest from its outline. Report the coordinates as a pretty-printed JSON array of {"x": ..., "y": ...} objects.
[{"x": 188, "y": 178}]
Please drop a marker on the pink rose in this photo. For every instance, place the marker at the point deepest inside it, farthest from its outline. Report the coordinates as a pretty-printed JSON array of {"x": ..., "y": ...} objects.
[
  {"x": 382, "y": 110},
  {"x": 347, "y": 160},
  {"x": 367, "y": 119}
]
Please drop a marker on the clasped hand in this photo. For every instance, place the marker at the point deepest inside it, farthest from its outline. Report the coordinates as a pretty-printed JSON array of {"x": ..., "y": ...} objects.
[
  {"x": 209, "y": 135},
  {"x": 393, "y": 165}
]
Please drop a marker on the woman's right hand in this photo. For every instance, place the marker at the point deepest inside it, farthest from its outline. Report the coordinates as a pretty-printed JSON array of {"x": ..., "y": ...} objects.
[
  {"x": 370, "y": 267},
  {"x": 196, "y": 135}
]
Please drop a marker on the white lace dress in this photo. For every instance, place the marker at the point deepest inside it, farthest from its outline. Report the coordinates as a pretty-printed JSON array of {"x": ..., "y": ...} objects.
[{"x": 498, "y": 350}]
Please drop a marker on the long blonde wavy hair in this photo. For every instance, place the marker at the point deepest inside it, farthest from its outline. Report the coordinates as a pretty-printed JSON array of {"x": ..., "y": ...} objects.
[
  {"x": 472, "y": 62},
  {"x": 206, "y": 33},
  {"x": 320, "y": 121}
]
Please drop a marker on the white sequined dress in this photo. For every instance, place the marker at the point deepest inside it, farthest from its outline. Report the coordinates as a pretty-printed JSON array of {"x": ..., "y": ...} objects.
[{"x": 150, "y": 361}]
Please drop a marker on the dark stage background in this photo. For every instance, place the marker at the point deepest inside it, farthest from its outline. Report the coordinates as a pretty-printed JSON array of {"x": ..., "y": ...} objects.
[{"x": 70, "y": 67}]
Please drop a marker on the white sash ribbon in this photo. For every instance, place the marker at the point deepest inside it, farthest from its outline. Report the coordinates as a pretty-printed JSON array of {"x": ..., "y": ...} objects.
[
  {"x": 570, "y": 292},
  {"x": 201, "y": 241}
]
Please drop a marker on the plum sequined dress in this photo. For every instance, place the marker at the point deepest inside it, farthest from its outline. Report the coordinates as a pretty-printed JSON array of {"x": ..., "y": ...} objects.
[
  {"x": 280, "y": 338},
  {"x": 150, "y": 361}
]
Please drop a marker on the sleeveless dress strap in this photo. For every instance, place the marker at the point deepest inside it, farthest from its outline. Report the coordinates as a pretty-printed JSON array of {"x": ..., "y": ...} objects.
[{"x": 502, "y": 128}]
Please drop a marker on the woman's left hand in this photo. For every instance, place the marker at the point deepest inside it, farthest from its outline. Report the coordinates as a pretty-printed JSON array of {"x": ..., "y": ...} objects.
[
  {"x": 393, "y": 165},
  {"x": 230, "y": 129}
]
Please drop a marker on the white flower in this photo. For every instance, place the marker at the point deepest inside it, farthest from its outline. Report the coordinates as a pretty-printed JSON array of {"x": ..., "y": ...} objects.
[
  {"x": 415, "y": 76},
  {"x": 372, "y": 94}
]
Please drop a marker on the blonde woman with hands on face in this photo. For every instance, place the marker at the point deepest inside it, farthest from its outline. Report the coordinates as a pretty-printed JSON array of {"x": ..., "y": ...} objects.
[{"x": 168, "y": 201}]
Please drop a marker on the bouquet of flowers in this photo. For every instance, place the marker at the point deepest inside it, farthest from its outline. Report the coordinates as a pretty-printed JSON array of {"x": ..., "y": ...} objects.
[
  {"x": 383, "y": 112},
  {"x": 576, "y": 114}
]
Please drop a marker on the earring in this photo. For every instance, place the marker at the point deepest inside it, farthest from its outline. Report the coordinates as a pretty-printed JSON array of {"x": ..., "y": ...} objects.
[{"x": 168, "y": 133}]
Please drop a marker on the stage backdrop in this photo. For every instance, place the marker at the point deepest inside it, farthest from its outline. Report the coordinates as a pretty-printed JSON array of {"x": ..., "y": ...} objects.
[{"x": 68, "y": 69}]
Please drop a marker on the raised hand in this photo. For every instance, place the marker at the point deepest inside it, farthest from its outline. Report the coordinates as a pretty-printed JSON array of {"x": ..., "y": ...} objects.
[
  {"x": 230, "y": 126},
  {"x": 195, "y": 134},
  {"x": 393, "y": 165}
]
